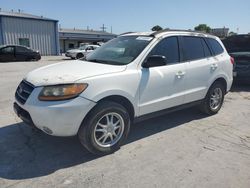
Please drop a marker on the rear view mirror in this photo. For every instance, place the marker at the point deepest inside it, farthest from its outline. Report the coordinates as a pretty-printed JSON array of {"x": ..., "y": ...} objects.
[{"x": 154, "y": 61}]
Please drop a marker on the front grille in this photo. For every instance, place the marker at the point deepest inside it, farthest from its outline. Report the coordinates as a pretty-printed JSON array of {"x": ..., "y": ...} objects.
[{"x": 23, "y": 91}]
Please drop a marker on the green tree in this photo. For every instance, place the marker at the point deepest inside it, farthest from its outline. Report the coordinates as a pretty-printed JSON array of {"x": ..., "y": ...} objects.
[
  {"x": 203, "y": 27},
  {"x": 156, "y": 28}
]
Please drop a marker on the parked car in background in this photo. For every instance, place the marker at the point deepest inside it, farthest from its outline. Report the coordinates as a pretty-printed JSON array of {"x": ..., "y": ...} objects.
[
  {"x": 18, "y": 53},
  {"x": 132, "y": 77},
  {"x": 238, "y": 46},
  {"x": 81, "y": 52}
]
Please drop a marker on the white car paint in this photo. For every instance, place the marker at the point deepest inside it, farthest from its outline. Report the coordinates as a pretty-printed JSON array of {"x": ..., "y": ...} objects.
[
  {"x": 148, "y": 90},
  {"x": 68, "y": 72},
  {"x": 84, "y": 50}
]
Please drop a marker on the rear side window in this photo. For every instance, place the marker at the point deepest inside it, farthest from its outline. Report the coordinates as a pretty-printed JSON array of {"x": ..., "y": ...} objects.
[
  {"x": 169, "y": 48},
  {"x": 207, "y": 51},
  {"x": 192, "y": 48},
  {"x": 215, "y": 46},
  {"x": 7, "y": 50}
]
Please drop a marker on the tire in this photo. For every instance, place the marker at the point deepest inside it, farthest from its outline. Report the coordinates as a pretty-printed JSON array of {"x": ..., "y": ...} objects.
[
  {"x": 78, "y": 56},
  {"x": 214, "y": 99},
  {"x": 93, "y": 134}
]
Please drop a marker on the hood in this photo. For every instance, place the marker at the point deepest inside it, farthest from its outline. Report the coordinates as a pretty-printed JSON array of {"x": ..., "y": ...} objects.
[{"x": 69, "y": 72}]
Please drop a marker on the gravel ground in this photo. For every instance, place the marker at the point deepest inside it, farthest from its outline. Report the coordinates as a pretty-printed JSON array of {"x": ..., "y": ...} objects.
[{"x": 182, "y": 149}]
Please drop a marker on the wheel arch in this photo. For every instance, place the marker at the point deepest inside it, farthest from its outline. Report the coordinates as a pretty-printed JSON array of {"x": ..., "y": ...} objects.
[
  {"x": 223, "y": 81},
  {"x": 123, "y": 101}
]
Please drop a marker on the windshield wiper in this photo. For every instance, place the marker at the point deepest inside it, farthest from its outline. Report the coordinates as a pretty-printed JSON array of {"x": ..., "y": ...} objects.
[
  {"x": 103, "y": 61},
  {"x": 96, "y": 60}
]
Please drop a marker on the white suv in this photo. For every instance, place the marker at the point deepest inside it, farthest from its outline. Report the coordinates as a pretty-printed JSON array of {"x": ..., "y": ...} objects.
[{"x": 130, "y": 78}]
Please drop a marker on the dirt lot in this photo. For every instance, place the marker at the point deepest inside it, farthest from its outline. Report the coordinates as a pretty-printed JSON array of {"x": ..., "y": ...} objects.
[{"x": 182, "y": 149}]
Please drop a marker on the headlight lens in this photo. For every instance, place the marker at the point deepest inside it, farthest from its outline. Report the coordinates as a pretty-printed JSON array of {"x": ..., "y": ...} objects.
[{"x": 61, "y": 92}]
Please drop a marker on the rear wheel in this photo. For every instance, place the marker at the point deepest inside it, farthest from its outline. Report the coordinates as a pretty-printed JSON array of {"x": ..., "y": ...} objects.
[
  {"x": 105, "y": 128},
  {"x": 214, "y": 99}
]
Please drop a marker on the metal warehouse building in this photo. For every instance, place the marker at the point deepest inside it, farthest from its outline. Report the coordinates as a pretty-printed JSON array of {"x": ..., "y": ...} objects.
[
  {"x": 36, "y": 32},
  {"x": 72, "y": 38}
]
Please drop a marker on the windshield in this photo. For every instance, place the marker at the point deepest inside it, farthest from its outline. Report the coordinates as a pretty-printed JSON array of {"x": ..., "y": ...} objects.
[
  {"x": 119, "y": 51},
  {"x": 82, "y": 47},
  {"x": 238, "y": 43}
]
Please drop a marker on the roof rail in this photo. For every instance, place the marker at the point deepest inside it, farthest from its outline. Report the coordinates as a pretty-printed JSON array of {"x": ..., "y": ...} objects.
[
  {"x": 168, "y": 30},
  {"x": 126, "y": 33}
]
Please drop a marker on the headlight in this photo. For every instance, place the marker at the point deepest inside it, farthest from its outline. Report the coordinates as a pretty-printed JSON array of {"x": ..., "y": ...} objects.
[{"x": 61, "y": 92}]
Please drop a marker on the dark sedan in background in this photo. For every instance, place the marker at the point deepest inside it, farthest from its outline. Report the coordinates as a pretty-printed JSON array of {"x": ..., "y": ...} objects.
[
  {"x": 238, "y": 46},
  {"x": 18, "y": 53}
]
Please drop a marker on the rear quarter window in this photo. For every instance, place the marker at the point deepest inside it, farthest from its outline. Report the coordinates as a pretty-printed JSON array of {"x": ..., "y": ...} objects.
[{"x": 215, "y": 46}]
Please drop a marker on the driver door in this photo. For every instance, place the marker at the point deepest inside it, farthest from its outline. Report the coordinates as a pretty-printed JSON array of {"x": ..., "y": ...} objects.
[{"x": 163, "y": 87}]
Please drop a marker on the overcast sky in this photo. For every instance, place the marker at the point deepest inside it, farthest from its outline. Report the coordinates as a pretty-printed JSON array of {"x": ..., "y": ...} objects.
[{"x": 139, "y": 15}]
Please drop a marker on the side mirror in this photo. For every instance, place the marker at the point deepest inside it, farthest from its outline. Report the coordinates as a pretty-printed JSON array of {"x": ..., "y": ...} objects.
[{"x": 154, "y": 61}]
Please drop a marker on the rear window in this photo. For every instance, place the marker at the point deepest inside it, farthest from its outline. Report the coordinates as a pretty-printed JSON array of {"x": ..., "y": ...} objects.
[
  {"x": 193, "y": 48},
  {"x": 215, "y": 46}
]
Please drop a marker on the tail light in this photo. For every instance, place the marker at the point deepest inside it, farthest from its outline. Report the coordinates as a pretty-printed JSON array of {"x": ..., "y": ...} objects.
[{"x": 232, "y": 60}]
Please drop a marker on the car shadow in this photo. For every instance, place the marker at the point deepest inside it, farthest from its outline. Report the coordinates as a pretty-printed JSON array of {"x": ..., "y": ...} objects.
[{"x": 25, "y": 153}]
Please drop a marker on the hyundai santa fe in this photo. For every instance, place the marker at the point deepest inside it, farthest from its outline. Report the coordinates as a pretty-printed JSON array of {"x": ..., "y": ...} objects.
[{"x": 130, "y": 78}]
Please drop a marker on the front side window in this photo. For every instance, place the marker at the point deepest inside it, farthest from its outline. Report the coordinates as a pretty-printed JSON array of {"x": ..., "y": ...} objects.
[
  {"x": 20, "y": 49},
  {"x": 119, "y": 51},
  {"x": 192, "y": 48},
  {"x": 168, "y": 48},
  {"x": 215, "y": 46}
]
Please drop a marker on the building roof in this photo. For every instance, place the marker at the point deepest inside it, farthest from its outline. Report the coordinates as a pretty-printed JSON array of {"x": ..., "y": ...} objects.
[
  {"x": 25, "y": 15},
  {"x": 87, "y": 32}
]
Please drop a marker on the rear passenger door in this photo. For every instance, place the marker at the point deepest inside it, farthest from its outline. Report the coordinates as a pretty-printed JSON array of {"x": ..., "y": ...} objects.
[{"x": 200, "y": 68}]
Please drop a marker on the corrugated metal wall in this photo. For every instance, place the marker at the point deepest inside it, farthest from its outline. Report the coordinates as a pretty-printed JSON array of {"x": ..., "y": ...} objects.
[
  {"x": 42, "y": 34},
  {"x": 1, "y": 35}
]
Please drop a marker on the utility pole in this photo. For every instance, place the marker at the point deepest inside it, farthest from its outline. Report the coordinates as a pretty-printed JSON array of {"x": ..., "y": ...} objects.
[
  {"x": 103, "y": 28},
  {"x": 111, "y": 29}
]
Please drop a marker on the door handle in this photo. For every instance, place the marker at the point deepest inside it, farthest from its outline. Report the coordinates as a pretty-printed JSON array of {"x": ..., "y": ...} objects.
[
  {"x": 180, "y": 74},
  {"x": 214, "y": 66}
]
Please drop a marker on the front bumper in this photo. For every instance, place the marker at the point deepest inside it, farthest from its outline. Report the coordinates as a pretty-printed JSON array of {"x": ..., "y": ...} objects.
[
  {"x": 70, "y": 55},
  {"x": 57, "y": 118}
]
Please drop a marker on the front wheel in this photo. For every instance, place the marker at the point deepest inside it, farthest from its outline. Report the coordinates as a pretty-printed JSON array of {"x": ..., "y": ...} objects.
[
  {"x": 79, "y": 56},
  {"x": 105, "y": 128},
  {"x": 214, "y": 99}
]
